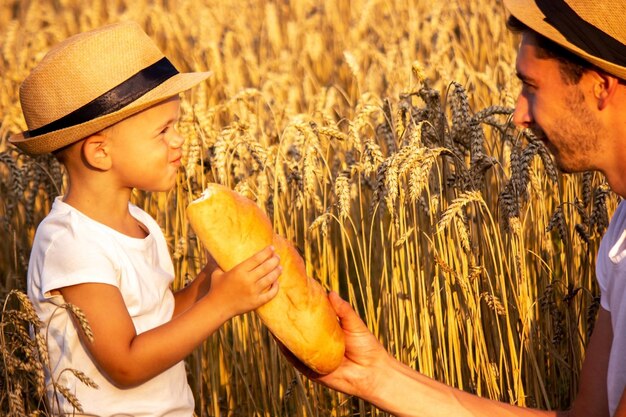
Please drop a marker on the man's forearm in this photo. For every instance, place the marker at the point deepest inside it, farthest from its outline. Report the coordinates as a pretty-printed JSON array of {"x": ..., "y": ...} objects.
[{"x": 406, "y": 393}]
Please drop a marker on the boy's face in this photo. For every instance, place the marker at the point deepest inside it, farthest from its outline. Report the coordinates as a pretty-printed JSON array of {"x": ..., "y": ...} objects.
[{"x": 146, "y": 148}]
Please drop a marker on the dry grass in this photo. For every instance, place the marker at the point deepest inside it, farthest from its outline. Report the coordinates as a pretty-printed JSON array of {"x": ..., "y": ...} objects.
[{"x": 376, "y": 135}]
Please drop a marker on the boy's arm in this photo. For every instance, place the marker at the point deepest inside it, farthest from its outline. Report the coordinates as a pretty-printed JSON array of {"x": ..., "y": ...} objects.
[
  {"x": 200, "y": 286},
  {"x": 129, "y": 359}
]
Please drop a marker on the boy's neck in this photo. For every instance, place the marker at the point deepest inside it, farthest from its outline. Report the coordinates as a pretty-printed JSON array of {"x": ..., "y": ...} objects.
[{"x": 108, "y": 208}]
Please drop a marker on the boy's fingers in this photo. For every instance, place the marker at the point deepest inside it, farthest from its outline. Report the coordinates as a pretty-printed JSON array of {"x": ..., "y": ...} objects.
[
  {"x": 265, "y": 253},
  {"x": 270, "y": 278},
  {"x": 271, "y": 292},
  {"x": 258, "y": 258},
  {"x": 268, "y": 266},
  {"x": 267, "y": 294}
]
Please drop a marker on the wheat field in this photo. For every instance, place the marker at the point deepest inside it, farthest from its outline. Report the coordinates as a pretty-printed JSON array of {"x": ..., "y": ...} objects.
[{"x": 376, "y": 134}]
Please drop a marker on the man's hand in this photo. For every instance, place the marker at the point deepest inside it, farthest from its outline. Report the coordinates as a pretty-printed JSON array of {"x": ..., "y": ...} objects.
[{"x": 363, "y": 355}]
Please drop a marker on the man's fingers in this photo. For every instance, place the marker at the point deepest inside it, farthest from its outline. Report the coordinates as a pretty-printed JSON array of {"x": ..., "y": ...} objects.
[
  {"x": 297, "y": 363},
  {"x": 350, "y": 321}
]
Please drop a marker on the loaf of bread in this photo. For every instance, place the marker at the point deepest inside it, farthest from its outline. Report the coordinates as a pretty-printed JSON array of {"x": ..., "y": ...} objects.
[{"x": 233, "y": 228}]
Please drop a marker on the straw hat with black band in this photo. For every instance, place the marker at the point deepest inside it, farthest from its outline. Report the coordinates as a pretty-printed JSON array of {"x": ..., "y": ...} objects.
[
  {"x": 594, "y": 30},
  {"x": 93, "y": 80}
]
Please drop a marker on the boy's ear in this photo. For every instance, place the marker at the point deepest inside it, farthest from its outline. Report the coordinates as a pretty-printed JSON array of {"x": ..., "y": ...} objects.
[{"x": 96, "y": 151}]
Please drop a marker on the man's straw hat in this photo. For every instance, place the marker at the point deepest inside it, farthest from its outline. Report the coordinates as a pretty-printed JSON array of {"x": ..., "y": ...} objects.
[
  {"x": 593, "y": 29},
  {"x": 91, "y": 81}
]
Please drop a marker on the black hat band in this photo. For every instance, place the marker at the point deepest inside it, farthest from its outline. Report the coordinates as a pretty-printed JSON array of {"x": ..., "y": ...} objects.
[
  {"x": 581, "y": 33},
  {"x": 113, "y": 100}
]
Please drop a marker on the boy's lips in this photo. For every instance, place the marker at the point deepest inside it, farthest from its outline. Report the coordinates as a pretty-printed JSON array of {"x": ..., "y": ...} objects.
[{"x": 177, "y": 159}]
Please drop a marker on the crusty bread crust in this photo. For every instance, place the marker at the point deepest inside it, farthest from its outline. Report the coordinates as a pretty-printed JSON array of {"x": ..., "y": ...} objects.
[{"x": 233, "y": 228}]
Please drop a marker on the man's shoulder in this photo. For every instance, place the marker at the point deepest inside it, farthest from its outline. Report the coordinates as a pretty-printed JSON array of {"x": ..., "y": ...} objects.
[{"x": 618, "y": 220}]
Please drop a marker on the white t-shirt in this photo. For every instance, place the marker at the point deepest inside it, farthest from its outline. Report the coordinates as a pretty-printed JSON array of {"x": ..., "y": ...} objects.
[
  {"x": 611, "y": 274},
  {"x": 70, "y": 248}
]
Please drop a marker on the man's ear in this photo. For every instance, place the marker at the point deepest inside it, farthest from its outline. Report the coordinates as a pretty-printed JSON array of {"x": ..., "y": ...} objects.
[
  {"x": 604, "y": 88},
  {"x": 96, "y": 151}
]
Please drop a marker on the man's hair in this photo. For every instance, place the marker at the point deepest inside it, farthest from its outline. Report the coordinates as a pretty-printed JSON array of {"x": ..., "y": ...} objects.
[{"x": 572, "y": 67}]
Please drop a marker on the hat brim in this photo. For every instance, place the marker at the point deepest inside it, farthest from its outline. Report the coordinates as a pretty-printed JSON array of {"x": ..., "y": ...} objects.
[
  {"x": 58, "y": 139},
  {"x": 529, "y": 13}
]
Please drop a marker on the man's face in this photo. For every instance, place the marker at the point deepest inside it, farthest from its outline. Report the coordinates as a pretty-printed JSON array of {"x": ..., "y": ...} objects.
[{"x": 559, "y": 113}]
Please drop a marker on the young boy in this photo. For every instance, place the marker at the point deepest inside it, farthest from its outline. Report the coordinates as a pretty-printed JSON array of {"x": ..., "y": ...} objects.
[{"x": 105, "y": 102}]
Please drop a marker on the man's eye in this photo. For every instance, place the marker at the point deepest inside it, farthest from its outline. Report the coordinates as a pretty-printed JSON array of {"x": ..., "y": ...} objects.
[{"x": 528, "y": 88}]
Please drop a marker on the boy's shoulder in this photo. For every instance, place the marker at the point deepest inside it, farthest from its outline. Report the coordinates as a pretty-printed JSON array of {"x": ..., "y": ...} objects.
[
  {"x": 68, "y": 227},
  {"x": 65, "y": 227}
]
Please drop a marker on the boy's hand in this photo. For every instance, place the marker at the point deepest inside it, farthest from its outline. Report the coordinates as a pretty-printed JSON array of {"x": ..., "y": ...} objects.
[
  {"x": 210, "y": 265},
  {"x": 248, "y": 285}
]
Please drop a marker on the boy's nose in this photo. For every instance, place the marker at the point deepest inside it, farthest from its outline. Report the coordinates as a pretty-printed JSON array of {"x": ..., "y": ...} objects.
[
  {"x": 521, "y": 115},
  {"x": 176, "y": 140}
]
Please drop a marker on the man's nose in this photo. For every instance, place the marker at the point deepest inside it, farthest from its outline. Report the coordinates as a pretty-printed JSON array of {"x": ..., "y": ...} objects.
[{"x": 522, "y": 116}]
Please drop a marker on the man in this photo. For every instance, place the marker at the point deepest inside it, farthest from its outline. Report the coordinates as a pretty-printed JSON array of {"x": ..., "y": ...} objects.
[{"x": 572, "y": 64}]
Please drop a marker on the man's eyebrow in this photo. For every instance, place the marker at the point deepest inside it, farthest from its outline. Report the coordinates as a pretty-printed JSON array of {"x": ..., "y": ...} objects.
[{"x": 523, "y": 77}]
